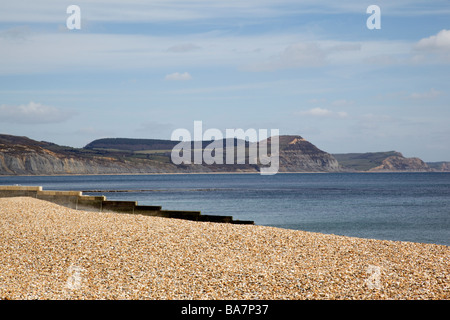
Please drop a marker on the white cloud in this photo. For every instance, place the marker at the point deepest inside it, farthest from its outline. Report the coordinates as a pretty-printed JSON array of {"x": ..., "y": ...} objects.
[
  {"x": 434, "y": 46},
  {"x": 178, "y": 76},
  {"x": 323, "y": 113},
  {"x": 33, "y": 113},
  {"x": 57, "y": 51},
  {"x": 439, "y": 42}
]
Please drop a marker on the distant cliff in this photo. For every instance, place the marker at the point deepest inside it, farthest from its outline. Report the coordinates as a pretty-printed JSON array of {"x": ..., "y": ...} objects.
[
  {"x": 24, "y": 156},
  {"x": 390, "y": 161},
  {"x": 24, "y": 160},
  {"x": 363, "y": 161},
  {"x": 400, "y": 163},
  {"x": 300, "y": 155}
]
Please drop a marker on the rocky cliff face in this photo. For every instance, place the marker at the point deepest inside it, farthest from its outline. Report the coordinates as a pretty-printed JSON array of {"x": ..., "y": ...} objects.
[
  {"x": 45, "y": 163},
  {"x": 23, "y": 156},
  {"x": 26, "y": 161},
  {"x": 400, "y": 163},
  {"x": 299, "y": 155},
  {"x": 27, "y": 157}
]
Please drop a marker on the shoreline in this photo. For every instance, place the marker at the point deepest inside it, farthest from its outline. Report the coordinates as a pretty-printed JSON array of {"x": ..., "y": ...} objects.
[
  {"x": 52, "y": 252},
  {"x": 123, "y": 187},
  {"x": 211, "y": 173},
  {"x": 94, "y": 203}
]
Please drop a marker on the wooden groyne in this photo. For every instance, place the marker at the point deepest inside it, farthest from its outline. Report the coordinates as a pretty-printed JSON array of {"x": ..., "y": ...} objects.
[{"x": 76, "y": 200}]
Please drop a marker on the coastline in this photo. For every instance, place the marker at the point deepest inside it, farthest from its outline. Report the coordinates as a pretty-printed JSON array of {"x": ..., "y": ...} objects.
[
  {"x": 176, "y": 193},
  {"x": 52, "y": 252},
  {"x": 207, "y": 173}
]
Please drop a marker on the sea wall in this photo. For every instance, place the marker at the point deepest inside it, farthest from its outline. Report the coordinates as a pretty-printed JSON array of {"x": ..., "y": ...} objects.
[{"x": 76, "y": 200}]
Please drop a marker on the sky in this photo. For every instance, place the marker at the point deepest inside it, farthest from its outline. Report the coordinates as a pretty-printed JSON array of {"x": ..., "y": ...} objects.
[{"x": 142, "y": 69}]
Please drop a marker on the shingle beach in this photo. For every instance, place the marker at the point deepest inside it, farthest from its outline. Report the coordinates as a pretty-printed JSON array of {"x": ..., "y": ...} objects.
[{"x": 52, "y": 252}]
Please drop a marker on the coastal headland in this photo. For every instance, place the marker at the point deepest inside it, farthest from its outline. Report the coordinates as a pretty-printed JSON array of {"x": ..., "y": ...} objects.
[{"x": 25, "y": 156}]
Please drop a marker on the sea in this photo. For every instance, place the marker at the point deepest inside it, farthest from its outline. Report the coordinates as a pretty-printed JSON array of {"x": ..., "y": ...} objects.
[{"x": 388, "y": 206}]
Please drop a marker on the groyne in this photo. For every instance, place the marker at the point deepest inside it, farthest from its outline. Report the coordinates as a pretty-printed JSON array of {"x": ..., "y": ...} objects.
[{"x": 76, "y": 200}]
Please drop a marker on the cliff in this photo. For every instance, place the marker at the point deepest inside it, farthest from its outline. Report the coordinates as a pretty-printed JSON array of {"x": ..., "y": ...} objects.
[
  {"x": 300, "y": 155},
  {"x": 400, "y": 163},
  {"x": 24, "y": 156},
  {"x": 363, "y": 161}
]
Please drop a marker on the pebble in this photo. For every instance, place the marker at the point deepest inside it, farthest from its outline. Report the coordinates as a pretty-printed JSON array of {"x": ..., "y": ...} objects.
[{"x": 52, "y": 252}]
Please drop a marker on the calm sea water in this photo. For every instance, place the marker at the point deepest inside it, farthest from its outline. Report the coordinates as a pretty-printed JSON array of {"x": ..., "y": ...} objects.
[{"x": 392, "y": 206}]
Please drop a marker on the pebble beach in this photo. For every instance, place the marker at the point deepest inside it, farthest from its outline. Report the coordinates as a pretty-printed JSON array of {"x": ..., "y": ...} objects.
[{"x": 52, "y": 252}]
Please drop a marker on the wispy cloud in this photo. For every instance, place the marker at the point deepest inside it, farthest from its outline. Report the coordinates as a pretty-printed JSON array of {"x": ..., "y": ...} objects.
[
  {"x": 323, "y": 113},
  {"x": 182, "y": 48},
  {"x": 186, "y": 10},
  {"x": 399, "y": 96},
  {"x": 320, "y": 53},
  {"x": 58, "y": 52},
  {"x": 19, "y": 33},
  {"x": 342, "y": 103},
  {"x": 33, "y": 113},
  {"x": 178, "y": 76},
  {"x": 305, "y": 54},
  {"x": 428, "y": 95}
]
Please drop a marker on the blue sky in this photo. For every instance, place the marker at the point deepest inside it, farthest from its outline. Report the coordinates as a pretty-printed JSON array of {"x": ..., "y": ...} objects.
[{"x": 141, "y": 69}]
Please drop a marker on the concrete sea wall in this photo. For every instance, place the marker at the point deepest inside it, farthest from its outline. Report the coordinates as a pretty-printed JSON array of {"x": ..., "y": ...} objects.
[{"x": 76, "y": 200}]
